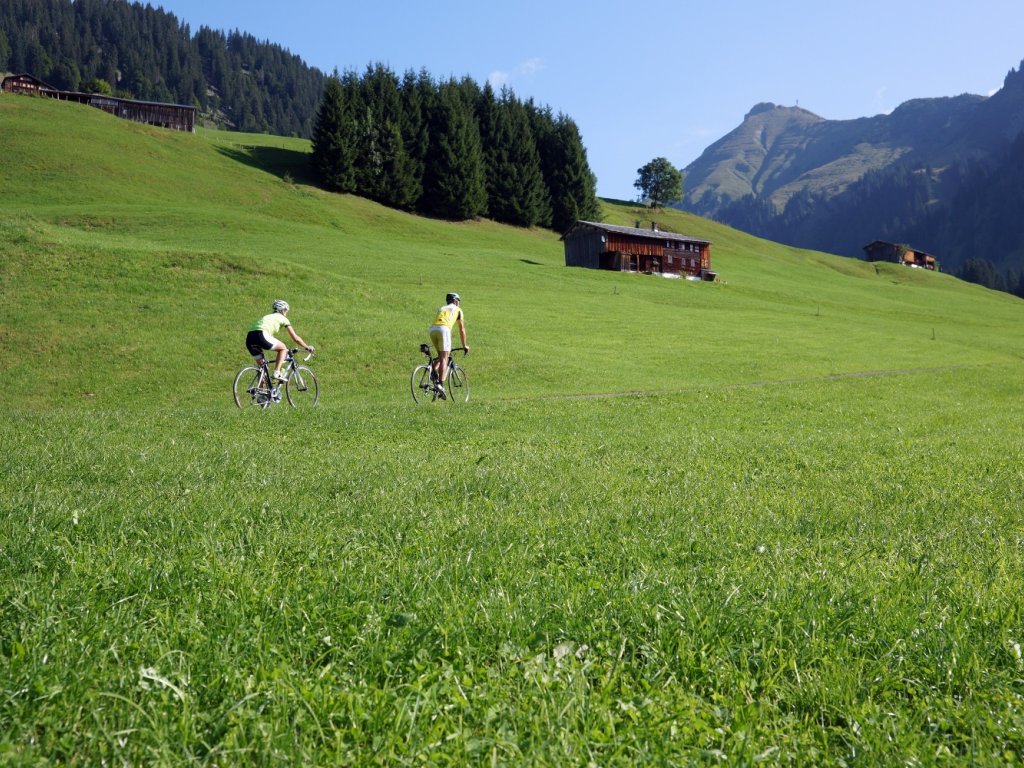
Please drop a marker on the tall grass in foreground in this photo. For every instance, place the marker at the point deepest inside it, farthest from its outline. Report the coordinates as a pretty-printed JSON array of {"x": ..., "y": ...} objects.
[
  {"x": 823, "y": 573},
  {"x": 801, "y": 544}
]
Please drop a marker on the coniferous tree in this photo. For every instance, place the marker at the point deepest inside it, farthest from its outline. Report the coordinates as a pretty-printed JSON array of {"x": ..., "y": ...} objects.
[
  {"x": 417, "y": 93},
  {"x": 542, "y": 126},
  {"x": 517, "y": 193},
  {"x": 397, "y": 190},
  {"x": 146, "y": 53},
  {"x": 454, "y": 179},
  {"x": 65, "y": 75},
  {"x": 384, "y": 167},
  {"x": 365, "y": 108},
  {"x": 332, "y": 156},
  {"x": 1018, "y": 289},
  {"x": 5, "y": 51},
  {"x": 1012, "y": 281},
  {"x": 573, "y": 185},
  {"x": 386, "y": 130},
  {"x": 982, "y": 272},
  {"x": 468, "y": 92},
  {"x": 486, "y": 115}
]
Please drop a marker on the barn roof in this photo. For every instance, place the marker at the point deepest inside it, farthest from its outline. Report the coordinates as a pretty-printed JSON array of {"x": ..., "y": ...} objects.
[
  {"x": 876, "y": 243},
  {"x": 655, "y": 234},
  {"x": 81, "y": 95},
  {"x": 27, "y": 76}
]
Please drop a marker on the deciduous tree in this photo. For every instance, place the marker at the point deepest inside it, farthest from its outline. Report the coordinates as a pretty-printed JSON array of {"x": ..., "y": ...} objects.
[{"x": 659, "y": 182}]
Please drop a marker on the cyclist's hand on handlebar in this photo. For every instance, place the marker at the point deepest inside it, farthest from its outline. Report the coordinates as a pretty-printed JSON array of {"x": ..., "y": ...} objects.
[
  {"x": 311, "y": 349},
  {"x": 465, "y": 350}
]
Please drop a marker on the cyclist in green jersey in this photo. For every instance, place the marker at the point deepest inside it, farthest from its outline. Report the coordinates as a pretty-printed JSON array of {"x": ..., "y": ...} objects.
[
  {"x": 262, "y": 336},
  {"x": 441, "y": 335}
]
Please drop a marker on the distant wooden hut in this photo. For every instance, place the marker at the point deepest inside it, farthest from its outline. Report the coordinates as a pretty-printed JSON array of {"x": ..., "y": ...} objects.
[
  {"x": 24, "y": 84},
  {"x": 632, "y": 249},
  {"x": 879, "y": 250},
  {"x": 178, "y": 117}
]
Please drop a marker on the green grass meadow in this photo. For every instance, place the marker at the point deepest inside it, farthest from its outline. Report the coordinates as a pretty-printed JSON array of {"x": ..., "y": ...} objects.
[{"x": 774, "y": 520}]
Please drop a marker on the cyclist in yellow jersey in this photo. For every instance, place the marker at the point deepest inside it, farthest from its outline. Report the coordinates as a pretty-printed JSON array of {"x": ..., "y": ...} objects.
[
  {"x": 262, "y": 336},
  {"x": 441, "y": 335}
]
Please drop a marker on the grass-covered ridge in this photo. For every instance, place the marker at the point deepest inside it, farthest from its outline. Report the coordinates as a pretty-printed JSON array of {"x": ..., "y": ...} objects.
[
  {"x": 142, "y": 232},
  {"x": 799, "y": 543}
]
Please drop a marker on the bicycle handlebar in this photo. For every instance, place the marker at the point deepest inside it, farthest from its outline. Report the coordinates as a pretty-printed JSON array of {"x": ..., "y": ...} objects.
[
  {"x": 426, "y": 350},
  {"x": 307, "y": 358}
]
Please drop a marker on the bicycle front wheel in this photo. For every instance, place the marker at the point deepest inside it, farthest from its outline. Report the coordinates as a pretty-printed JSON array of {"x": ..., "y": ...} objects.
[
  {"x": 422, "y": 388},
  {"x": 247, "y": 388},
  {"x": 457, "y": 385},
  {"x": 302, "y": 388}
]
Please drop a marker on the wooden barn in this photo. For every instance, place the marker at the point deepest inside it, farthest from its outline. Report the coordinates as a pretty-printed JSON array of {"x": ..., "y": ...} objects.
[
  {"x": 177, "y": 117},
  {"x": 879, "y": 250},
  {"x": 631, "y": 249}
]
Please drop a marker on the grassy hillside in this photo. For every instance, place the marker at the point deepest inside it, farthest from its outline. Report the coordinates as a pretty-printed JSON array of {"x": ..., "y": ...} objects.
[
  {"x": 774, "y": 519},
  {"x": 156, "y": 243}
]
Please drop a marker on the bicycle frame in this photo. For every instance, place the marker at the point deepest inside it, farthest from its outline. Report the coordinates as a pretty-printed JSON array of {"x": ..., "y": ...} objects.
[
  {"x": 266, "y": 391},
  {"x": 426, "y": 385},
  {"x": 433, "y": 361}
]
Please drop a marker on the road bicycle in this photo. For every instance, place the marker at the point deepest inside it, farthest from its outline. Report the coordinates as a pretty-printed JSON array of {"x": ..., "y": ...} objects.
[
  {"x": 255, "y": 387},
  {"x": 425, "y": 386}
]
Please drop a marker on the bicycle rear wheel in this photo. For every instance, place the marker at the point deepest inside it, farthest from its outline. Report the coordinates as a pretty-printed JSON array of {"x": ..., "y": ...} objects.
[
  {"x": 302, "y": 388},
  {"x": 247, "y": 388},
  {"x": 422, "y": 388},
  {"x": 457, "y": 385}
]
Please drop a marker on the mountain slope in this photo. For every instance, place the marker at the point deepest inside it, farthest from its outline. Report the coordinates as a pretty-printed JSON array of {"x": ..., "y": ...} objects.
[
  {"x": 791, "y": 176},
  {"x": 114, "y": 232},
  {"x": 778, "y": 151},
  {"x": 144, "y": 52}
]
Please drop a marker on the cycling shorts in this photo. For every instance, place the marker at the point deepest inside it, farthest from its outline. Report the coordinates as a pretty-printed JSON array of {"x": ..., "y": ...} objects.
[
  {"x": 441, "y": 337},
  {"x": 259, "y": 341}
]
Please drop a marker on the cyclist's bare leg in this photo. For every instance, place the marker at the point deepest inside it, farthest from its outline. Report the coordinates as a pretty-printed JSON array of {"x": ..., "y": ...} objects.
[
  {"x": 442, "y": 369},
  {"x": 280, "y": 348}
]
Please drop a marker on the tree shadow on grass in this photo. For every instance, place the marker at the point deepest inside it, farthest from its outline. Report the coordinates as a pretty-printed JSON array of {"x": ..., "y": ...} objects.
[{"x": 287, "y": 164}]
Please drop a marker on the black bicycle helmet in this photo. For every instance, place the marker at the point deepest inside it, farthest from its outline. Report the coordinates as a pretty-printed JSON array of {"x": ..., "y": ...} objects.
[{"x": 452, "y": 297}]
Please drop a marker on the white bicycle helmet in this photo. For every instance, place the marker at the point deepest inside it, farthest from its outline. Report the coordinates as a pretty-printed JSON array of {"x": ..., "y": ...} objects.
[
  {"x": 281, "y": 306},
  {"x": 452, "y": 297}
]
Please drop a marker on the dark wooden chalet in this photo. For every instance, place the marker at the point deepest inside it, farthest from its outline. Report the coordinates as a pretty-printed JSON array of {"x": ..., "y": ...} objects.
[
  {"x": 631, "y": 249},
  {"x": 178, "y": 117},
  {"x": 879, "y": 250}
]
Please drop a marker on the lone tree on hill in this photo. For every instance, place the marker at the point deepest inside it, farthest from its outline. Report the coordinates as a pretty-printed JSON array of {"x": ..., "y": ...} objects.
[{"x": 660, "y": 182}]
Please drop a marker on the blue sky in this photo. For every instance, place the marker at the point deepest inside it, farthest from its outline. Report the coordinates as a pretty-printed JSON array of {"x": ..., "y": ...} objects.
[{"x": 657, "y": 78}]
